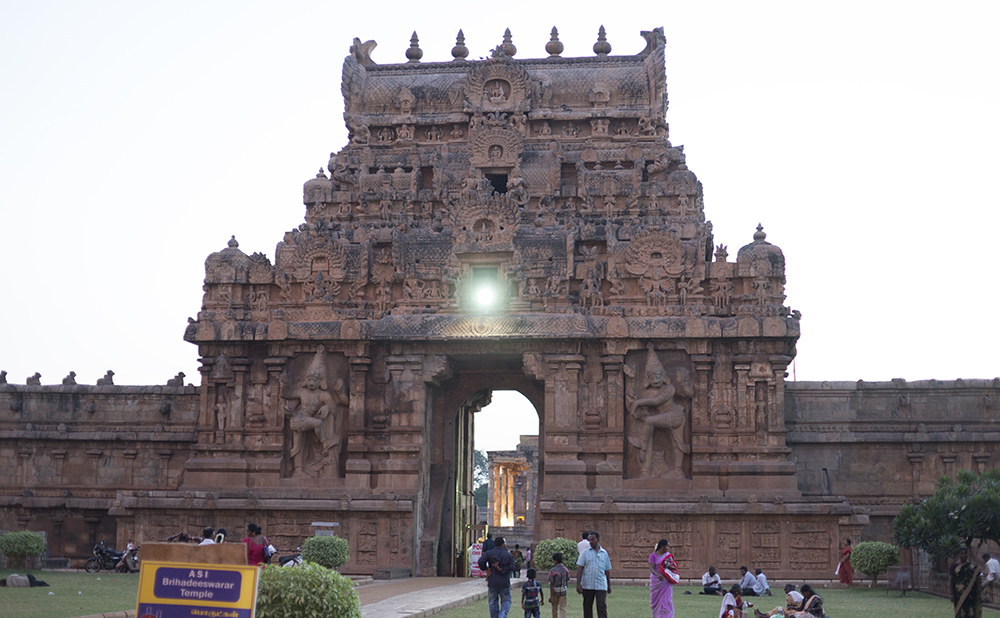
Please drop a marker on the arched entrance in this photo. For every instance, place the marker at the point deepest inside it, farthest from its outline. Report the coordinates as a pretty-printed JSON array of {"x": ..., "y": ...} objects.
[{"x": 449, "y": 506}]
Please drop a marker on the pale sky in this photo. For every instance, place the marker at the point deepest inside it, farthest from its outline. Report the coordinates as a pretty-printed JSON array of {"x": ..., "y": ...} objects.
[{"x": 136, "y": 137}]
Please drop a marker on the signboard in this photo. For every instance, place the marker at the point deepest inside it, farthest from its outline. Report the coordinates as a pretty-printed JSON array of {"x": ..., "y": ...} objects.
[
  {"x": 178, "y": 590},
  {"x": 475, "y": 553}
]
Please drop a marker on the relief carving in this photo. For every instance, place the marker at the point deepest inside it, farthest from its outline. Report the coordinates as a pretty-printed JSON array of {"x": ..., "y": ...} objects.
[
  {"x": 315, "y": 418},
  {"x": 660, "y": 407}
]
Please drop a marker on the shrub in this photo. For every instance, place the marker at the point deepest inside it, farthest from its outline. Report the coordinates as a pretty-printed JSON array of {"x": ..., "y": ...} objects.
[
  {"x": 543, "y": 553},
  {"x": 329, "y": 551},
  {"x": 873, "y": 558},
  {"x": 309, "y": 590},
  {"x": 17, "y": 546}
]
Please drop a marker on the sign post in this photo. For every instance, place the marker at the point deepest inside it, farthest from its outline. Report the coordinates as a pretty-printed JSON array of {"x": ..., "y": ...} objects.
[{"x": 177, "y": 590}]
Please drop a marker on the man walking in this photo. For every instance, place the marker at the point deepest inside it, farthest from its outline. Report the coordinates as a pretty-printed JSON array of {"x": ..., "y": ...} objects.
[
  {"x": 498, "y": 565},
  {"x": 593, "y": 577}
]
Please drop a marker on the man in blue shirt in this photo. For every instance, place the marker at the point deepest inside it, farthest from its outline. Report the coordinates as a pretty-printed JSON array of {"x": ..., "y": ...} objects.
[
  {"x": 498, "y": 565},
  {"x": 593, "y": 577}
]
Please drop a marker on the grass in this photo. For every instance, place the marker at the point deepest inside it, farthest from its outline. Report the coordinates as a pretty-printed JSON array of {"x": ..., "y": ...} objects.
[
  {"x": 633, "y": 602},
  {"x": 110, "y": 592},
  {"x": 73, "y": 594}
]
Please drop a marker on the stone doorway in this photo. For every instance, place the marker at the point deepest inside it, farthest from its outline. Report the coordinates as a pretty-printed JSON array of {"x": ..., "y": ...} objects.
[{"x": 451, "y": 514}]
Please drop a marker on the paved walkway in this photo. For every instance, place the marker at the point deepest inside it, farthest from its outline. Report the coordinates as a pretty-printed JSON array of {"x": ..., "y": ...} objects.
[{"x": 416, "y": 597}]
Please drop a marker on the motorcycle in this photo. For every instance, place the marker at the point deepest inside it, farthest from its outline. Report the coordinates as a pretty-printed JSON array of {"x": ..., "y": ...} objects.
[
  {"x": 104, "y": 558},
  {"x": 293, "y": 560},
  {"x": 129, "y": 562}
]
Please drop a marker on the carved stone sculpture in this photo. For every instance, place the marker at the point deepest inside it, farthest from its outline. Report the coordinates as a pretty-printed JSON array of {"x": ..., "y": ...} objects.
[
  {"x": 316, "y": 404},
  {"x": 70, "y": 379},
  {"x": 107, "y": 380},
  {"x": 660, "y": 408},
  {"x": 35, "y": 380}
]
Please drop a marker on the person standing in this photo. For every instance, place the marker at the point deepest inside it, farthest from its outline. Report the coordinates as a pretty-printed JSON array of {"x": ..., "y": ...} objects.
[
  {"x": 992, "y": 570},
  {"x": 488, "y": 543},
  {"x": 256, "y": 545},
  {"x": 558, "y": 586},
  {"x": 518, "y": 560},
  {"x": 532, "y": 598},
  {"x": 498, "y": 566},
  {"x": 209, "y": 536},
  {"x": 964, "y": 576},
  {"x": 844, "y": 569},
  {"x": 583, "y": 545},
  {"x": 661, "y": 589},
  {"x": 593, "y": 581}
]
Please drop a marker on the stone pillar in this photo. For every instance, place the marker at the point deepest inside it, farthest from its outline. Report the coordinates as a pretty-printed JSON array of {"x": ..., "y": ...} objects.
[
  {"x": 274, "y": 416},
  {"x": 615, "y": 405},
  {"x": 916, "y": 460},
  {"x": 979, "y": 461},
  {"x": 235, "y": 424},
  {"x": 699, "y": 406},
  {"x": 948, "y": 459},
  {"x": 560, "y": 372},
  {"x": 357, "y": 470},
  {"x": 744, "y": 403}
]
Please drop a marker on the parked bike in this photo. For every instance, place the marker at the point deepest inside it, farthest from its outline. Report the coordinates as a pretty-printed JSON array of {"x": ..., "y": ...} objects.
[
  {"x": 104, "y": 558},
  {"x": 293, "y": 560},
  {"x": 129, "y": 562}
]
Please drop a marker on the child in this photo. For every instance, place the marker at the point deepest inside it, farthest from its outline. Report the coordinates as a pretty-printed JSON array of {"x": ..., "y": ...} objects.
[
  {"x": 558, "y": 584},
  {"x": 531, "y": 596}
]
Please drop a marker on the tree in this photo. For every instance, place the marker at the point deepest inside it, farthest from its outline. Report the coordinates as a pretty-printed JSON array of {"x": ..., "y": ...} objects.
[
  {"x": 961, "y": 511},
  {"x": 874, "y": 558},
  {"x": 21, "y": 545},
  {"x": 480, "y": 478}
]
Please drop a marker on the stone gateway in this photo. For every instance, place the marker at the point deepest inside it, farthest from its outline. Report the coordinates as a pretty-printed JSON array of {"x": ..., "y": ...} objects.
[{"x": 501, "y": 224}]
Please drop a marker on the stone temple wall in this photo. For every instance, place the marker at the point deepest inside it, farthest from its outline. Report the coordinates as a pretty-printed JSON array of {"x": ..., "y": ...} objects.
[
  {"x": 884, "y": 444},
  {"x": 66, "y": 452}
]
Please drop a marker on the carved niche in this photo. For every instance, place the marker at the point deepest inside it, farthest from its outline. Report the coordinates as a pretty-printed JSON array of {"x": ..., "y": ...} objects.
[
  {"x": 498, "y": 84},
  {"x": 486, "y": 221},
  {"x": 658, "y": 398},
  {"x": 654, "y": 249},
  {"x": 314, "y": 401}
]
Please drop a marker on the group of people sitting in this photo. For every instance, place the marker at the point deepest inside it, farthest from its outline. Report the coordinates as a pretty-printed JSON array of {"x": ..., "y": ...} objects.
[
  {"x": 749, "y": 585},
  {"x": 798, "y": 604}
]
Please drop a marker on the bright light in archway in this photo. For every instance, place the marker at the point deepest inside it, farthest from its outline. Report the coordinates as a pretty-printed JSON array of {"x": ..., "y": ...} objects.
[{"x": 484, "y": 296}]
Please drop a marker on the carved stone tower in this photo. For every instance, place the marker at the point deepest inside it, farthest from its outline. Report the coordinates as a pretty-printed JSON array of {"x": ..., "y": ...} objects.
[{"x": 342, "y": 380}]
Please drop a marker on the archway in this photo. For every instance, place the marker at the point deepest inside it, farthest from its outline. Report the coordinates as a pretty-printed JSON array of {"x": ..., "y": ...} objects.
[{"x": 449, "y": 490}]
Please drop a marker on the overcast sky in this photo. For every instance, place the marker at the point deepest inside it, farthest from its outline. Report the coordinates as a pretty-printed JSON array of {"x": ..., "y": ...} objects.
[{"x": 136, "y": 137}]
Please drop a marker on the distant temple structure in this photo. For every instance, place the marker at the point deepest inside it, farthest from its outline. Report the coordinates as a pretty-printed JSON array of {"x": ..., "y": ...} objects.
[{"x": 500, "y": 224}]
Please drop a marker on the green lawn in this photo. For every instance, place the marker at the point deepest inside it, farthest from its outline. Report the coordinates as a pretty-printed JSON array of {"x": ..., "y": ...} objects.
[
  {"x": 633, "y": 602},
  {"x": 73, "y": 594},
  {"x": 80, "y": 594}
]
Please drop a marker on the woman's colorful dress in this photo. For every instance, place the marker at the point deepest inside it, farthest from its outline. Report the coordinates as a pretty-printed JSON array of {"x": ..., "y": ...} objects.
[
  {"x": 661, "y": 592},
  {"x": 846, "y": 570},
  {"x": 255, "y": 552},
  {"x": 965, "y": 590}
]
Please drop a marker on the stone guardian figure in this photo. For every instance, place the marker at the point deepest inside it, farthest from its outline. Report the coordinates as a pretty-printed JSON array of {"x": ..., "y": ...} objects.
[
  {"x": 315, "y": 415},
  {"x": 659, "y": 408}
]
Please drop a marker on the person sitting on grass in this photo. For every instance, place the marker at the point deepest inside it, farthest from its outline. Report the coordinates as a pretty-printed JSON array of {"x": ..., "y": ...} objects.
[
  {"x": 711, "y": 582},
  {"x": 732, "y": 603},
  {"x": 532, "y": 597},
  {"x": 812, "y": 605},
  {"x": 793, "y": 603}
]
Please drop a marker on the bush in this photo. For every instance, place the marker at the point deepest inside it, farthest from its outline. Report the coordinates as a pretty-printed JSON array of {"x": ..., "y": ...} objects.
[
  {"x": 543, "y": 553},
  {"x": 17, "y": 546},
  {"x": 329, "y": 551},
  {"x": 873, "y": 558},
  {"x": 307, "y": 591}
]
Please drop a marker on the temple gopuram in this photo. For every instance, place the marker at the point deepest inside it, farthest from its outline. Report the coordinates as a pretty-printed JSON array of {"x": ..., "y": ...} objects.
[{"x": 500, "y": 224}]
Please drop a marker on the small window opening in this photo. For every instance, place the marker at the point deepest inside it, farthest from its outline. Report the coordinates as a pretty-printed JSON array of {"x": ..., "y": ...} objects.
[{"x": 499, "y": 182}]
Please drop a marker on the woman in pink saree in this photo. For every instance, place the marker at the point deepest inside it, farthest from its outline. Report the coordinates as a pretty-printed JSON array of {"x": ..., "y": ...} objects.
[{"x": 661, "y": 589}]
